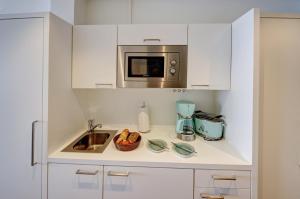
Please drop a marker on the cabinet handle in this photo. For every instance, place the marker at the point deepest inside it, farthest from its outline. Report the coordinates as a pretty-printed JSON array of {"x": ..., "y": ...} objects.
[
  {"x": 104, "y": 85},
  {"x": 207, "y": 196},
  {"x": 229, "y": 178},
  {"x": 89, "y": 173},
  {"x": 119, "y": 174},
  {"x": 33, "y": 162},
  {"x": 198, "y": 85},
  {"x": 145, "y": 40}
]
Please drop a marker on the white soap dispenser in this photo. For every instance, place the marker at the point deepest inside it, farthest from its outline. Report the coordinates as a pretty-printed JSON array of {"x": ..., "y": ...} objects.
[{"x": 143, "y": 119}]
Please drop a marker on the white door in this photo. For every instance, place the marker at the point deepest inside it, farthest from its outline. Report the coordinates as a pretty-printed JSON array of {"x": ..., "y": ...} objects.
[
  {"x": 147, "y": 183},
  {"x": 280, "y": 149},
  {"x": 21, "y": 69}
]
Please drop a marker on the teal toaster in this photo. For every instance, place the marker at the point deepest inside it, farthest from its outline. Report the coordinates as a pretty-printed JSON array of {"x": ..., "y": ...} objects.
[{"x": 209, "y": 126}]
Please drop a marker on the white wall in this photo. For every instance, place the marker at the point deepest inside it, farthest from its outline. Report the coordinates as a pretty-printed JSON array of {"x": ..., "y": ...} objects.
[
  {"x": 179, "y": 11},
  {"x": 64, "y": 9},
  {"x": 197, "y": 11},
  {"x": 120, "y": 106},
  {"x": 24, "y": 6},
  {"x": 154, "y": 11},
  {"x": 80, "y": 10},
  {"x": 238, "y": 103},
  {"x": 65, "y": 116},
  {"x": 107, "y": 11}
]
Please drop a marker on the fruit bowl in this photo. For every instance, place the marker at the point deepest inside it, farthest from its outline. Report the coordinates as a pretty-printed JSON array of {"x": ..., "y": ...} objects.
[{"x": 129, "y": 146}]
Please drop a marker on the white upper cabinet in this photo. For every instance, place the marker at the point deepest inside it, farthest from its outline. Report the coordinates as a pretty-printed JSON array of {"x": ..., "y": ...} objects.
[
  {"x": 209, "y": 56},
  {"x": 94, "y": 56},
  {"x": 152, "y": 34}
]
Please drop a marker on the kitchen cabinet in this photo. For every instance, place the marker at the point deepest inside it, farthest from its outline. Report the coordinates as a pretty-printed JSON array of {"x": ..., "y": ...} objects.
[
  {"x": 94, "y": 56},
  {"x": 223, "y": 184},
  {"x": 74, "y": 181},
  {"x": 21, "y": 105},
  {"x": 147, "y": 183},
  {"x": 35, "y": 82},
  {"x": 114, "y": 182},
  {"x": 152, "y": 34},
  {"x": 223, "y": 179},
  {"x": 209, "y": 56},
  {"x": 217, "y": 193}
]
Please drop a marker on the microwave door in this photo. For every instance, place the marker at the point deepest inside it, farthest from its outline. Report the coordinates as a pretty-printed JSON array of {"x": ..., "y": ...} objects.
[{"x": 145, "y": 66}]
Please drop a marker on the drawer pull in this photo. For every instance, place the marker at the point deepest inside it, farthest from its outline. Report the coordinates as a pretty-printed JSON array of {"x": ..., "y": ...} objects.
[
  {"x": 98, "y": 85},
  {"x": 89, "y": 173},
  {"x": 119, "y": 174},
  {"x": 229, "y": 178},
  {"x": 199, "y": 85},
  {"x": 207, "y": 196},
  {"x": 145, "y": 40}
]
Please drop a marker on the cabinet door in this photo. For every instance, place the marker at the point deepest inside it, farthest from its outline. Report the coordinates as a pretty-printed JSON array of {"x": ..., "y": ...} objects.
[
  {"x": 94, "y": 56},
  {"x": 218, "y": 193},
  {"x": 223, "y": 179},
  {"x": 74, "y": 181},
  {"x": 21, "y": 103},
  {"x": 152, "y": 34},
  {"x": 209, "y": 56},
  {"x": 147, "y": 183}
]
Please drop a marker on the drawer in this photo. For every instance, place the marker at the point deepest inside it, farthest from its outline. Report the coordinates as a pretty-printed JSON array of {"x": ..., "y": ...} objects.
[
  {"x": 147, "y": 183},
  {"x": 74, "y": 181},
  {"x": 152, "y": 34},
  {"x": 221, "y": 193},
  {"x": 223, "y": 179}
]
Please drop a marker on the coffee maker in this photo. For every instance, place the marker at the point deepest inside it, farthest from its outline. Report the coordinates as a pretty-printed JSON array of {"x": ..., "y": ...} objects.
[{"x": 184, "y": 123}]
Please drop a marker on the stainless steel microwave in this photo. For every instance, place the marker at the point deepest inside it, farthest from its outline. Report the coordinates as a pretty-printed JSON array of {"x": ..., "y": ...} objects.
[{"x": 152, "y": 67}]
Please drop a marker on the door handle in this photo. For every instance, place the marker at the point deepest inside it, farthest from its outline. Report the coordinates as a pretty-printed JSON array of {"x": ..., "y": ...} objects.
[
  {"x": 229, "y": 178},
  {"x": 119, "y": 174},
  {"x": 33, "y": 162},
  {"x": 158, "y": 40},
  {"x": 199, "y": 85},
  {"x": 89, "y": 173},
  {"x": 100, "y": 85},
  {"x": 208, "y": 196}
]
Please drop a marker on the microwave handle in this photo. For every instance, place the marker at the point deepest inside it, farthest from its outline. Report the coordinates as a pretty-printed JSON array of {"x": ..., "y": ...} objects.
[{"x": 158, "y": 40}]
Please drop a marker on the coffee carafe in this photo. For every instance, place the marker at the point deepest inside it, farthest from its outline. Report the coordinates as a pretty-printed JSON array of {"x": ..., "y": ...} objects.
[{"x": 184, "y": 123}]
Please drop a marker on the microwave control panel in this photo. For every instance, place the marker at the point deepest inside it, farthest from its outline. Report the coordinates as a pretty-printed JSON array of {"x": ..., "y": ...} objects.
[{"x": 173, "y": 66}]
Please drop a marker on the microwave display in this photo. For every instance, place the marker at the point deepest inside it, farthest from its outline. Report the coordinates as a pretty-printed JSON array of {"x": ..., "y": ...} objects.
[{"x": 140, "y": 67}]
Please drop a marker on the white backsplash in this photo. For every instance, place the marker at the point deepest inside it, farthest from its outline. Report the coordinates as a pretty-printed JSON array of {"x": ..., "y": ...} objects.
[{"x": 120, "y": 106}]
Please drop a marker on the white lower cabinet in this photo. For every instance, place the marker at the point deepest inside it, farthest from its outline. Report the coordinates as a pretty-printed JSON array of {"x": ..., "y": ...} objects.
[
  {"x": 223, "y": 179},
  {"x": 222, "y": 193},
  {"x": 147, "y": 183},
  {"x": 222, "y": 184},
  {"x": 115, "y": 182},
  {"x": 74, "y": 181}
]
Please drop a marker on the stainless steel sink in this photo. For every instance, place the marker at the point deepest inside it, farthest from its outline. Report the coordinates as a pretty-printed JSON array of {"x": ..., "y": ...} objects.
[{"x": 91, "y": 142}]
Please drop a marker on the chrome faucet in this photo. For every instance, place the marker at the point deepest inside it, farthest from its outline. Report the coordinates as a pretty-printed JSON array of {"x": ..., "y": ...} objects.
[{"x": 92, "y": 126}]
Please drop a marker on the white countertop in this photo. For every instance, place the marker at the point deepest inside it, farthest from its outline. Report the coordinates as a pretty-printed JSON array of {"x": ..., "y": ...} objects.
[{"x": 210, "y": 154}]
